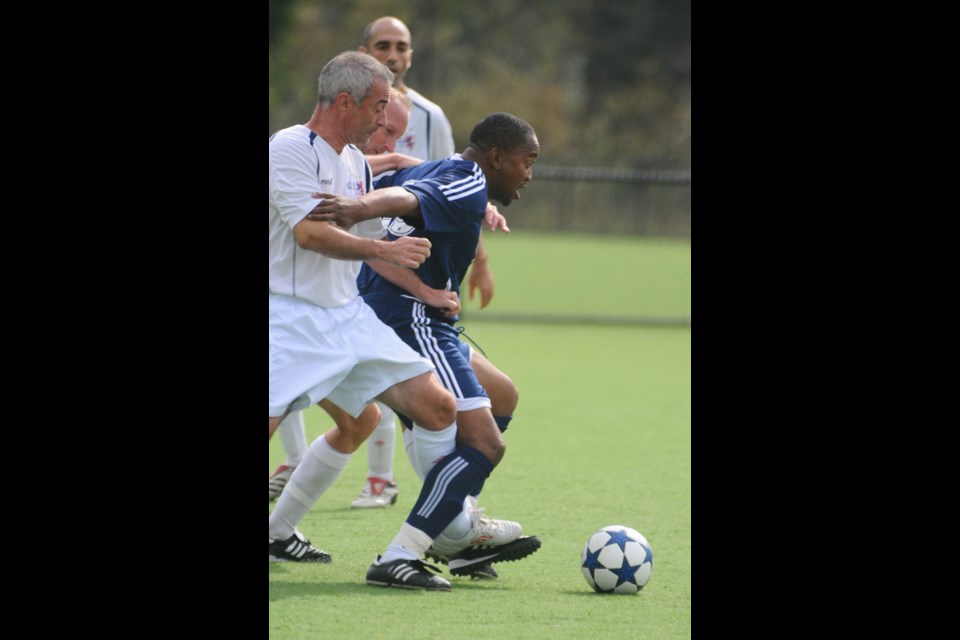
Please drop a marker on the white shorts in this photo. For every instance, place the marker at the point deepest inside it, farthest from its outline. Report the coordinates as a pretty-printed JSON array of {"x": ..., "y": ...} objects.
[{"x": 343, "y": 353}]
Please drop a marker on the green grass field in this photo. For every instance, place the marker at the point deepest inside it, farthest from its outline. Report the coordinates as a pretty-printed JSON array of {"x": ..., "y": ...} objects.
[
  {"x": 601, "y": 436},
  {"x": 568, "y": 275}
]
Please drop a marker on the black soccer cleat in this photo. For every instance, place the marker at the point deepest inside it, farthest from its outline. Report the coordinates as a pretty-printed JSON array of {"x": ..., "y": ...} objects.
[
  {"x": 484, "y": 572},
  {"x": 296, "y": 548},
  {"x": 405, "y": 574},
  {"x": 469, "y": 560}
]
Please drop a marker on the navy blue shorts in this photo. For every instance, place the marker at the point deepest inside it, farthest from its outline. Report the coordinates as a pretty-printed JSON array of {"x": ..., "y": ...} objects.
[{"x": 437, "y": 341}]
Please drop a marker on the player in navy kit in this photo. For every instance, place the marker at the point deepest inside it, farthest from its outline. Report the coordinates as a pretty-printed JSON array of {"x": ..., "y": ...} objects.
[{"x": 444, "y": 201}]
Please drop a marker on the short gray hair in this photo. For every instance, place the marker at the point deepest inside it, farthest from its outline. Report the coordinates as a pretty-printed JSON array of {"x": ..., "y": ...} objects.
[{"x": 352, "y": 72}]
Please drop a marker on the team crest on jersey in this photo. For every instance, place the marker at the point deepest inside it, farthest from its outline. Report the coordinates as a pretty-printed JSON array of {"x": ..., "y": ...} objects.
[
  {"x": 408, "y": 141},
  {"x": 354, "y": 188},
  {"x": 398, "y": 227}
]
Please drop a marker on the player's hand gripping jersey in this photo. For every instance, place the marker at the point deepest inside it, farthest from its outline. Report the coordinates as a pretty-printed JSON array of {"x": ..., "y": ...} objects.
[{"x": 453, "y": 199}]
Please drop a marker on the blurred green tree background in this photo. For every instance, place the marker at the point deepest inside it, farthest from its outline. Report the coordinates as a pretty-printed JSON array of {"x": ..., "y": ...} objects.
[{"x": 605, "y": 84}]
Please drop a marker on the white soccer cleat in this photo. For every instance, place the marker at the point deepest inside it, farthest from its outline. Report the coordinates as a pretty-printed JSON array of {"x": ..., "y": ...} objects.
[
  {"x": 485, "y": 532},
  {"x": 377, "y": 493}
]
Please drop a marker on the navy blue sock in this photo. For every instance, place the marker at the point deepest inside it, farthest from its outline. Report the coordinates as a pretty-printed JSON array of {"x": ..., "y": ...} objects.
[{"x": 446, "y": 487}]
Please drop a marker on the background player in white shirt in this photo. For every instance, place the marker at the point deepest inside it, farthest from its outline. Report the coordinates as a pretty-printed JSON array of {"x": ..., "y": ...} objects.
[{"x": 326, "y": 344}]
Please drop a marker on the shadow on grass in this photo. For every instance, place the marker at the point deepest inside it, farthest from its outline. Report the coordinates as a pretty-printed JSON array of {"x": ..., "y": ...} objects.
[
  {"x": 281, "y": 589},
  {"x": 594, "y": 594}
]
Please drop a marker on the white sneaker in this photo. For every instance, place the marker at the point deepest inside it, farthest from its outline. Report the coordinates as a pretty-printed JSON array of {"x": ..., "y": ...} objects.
[
  {"x": 278, "y": 480},
  {"x": 377, "y": 493},
  {"x": 485, "y": 531}
]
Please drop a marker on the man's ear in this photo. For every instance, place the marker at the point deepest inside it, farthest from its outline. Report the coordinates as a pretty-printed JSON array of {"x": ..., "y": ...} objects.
[
  {"x": 343, "y": 100},
  {"x": 495, "y": 157}
]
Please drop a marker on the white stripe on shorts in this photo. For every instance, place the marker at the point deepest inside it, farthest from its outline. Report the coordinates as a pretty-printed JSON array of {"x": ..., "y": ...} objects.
[{"x": 430, "y": 349}]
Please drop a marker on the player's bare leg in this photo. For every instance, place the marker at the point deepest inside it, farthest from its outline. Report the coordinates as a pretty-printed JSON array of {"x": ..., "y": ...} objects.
[
  {"x": 503, "y": 393},
  {"x": 424, "y": 400},
  {"x": 322, "y": 465}
]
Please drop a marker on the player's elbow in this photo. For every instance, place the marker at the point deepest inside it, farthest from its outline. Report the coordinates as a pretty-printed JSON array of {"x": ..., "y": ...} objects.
[
  {"x": 304, "y": 242},
  {"x": 310, "y": 235}
]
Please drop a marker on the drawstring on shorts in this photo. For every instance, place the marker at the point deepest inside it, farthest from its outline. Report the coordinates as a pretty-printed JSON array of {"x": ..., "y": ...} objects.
[{"x": 460, "y": 331}]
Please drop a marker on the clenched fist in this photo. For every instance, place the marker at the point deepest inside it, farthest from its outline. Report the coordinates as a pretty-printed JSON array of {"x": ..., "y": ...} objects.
[{"x": 406, "y": 251}]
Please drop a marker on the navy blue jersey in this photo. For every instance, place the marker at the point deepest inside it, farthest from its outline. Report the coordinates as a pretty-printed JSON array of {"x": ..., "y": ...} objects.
[{"x": 453, "y": 200}]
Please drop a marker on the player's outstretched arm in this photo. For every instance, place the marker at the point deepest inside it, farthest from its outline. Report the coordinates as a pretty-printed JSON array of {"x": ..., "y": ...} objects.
[
  {"x": 391, "y": 162},
  {"x": 346, "y": 212},
  {"x": 334, "y": 242}
]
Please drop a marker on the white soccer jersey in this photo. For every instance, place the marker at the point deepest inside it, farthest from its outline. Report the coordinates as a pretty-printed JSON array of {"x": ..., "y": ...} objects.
[
  {"x": 429, "y": 135},
  {"x": 301, "y": 162}
]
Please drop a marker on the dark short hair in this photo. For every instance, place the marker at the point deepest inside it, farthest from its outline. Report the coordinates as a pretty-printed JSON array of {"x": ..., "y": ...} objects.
[{"x": 502, "y": 130}]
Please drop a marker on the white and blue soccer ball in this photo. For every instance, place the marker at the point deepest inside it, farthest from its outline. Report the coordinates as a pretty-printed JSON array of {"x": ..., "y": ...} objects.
[{"x": 617, "y": 559}]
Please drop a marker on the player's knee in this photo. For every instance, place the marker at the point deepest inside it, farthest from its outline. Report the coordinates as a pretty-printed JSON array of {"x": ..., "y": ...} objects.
[
  {"x": 504, "y": 396},
  {"x": 487, "y": 441},
  {"x": 495, "y": 450},
  {"x": 512, "y": 398},
  {"x": 443, "y": 411},
  {"x": 435, "y": 410}
]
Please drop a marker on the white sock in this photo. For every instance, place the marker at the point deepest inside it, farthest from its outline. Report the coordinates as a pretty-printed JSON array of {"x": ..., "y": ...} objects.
[
  {"x": 312, "y": 477},
  {"x": 460, "y": 526},
  {"x": 431, "y": 446},
  {"x": 381, "y": 445},
  {"x": 411, "y": 454},
  {"x": 293, "y": 437},
  {"x": 410, "y": 543}
]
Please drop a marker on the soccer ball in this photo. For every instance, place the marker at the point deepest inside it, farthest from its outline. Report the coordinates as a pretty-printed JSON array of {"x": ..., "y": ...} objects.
[{"x": 617, "y": 559}]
